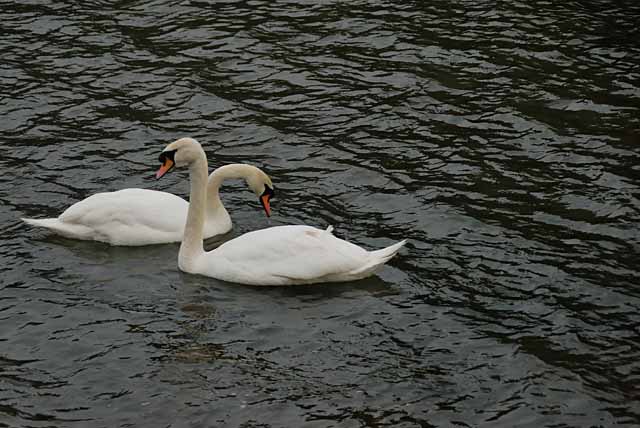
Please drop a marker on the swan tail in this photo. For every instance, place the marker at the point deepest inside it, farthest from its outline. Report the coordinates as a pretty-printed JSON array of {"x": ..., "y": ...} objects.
[
  {"x": 329, "y": 229},
  {"x": 49, "y": 223},
  {"x": 65, "y": 229},
  {"x": 378, "y": 258},
  {"x": 385, "y": 254}
]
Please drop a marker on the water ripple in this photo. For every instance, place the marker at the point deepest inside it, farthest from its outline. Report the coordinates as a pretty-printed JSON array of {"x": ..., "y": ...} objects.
[{"x": 500, "y": 138}]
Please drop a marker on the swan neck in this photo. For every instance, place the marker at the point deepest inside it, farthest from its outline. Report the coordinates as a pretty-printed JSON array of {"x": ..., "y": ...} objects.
[
  {"x": 191, "y": 246},
  {"x": 214, "y": 204},
  {"x": 234, "y": 170}
]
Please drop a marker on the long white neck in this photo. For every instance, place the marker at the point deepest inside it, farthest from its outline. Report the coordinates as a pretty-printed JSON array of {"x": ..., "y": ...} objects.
[
  {"x": 234, "y": 170},
  {"x": 191, "y": 247}
]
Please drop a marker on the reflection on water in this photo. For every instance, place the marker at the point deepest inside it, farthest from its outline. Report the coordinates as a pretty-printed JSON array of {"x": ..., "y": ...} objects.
[{"x": 501, "y": 139}]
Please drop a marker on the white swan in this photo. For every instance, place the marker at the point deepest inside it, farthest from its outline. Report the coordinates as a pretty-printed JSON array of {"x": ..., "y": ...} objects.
[
  {"x": 144, "y": 217},
  {"x": 281, "y": 255}
]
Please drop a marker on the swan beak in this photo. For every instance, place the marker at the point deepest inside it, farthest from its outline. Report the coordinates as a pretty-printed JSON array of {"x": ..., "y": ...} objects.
[
  {"x": 165, "y": 167},
  {"x": 264, "y": 200}
]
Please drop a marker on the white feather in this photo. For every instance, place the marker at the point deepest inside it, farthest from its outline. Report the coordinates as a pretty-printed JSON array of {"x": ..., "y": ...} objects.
[
  {"x": 142, "y": 216},
  {"x": 282, "y": 255}
]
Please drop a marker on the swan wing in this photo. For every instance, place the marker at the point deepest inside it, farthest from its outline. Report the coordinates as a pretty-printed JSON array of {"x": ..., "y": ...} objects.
[
  {"x": 286, "y": 254},
  {"x": 130, "y": 216},
  {"x": 158, "y": 210}
]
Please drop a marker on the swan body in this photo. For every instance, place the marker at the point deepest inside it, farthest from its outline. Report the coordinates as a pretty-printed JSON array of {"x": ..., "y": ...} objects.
[
  {"x": 281, "y": 255},
  {"x": 126, "y": 217},
  {"x": 133, "y": 217},
  {"x": 289, "y": 255}
]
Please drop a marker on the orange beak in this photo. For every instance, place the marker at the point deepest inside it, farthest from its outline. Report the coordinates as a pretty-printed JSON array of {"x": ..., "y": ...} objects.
[
  {"x": 264, "y": 199},
  {"x": 164, "y": 168}
]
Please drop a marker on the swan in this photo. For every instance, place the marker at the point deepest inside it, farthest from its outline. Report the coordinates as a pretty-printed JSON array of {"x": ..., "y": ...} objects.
[
  {"x": 143, "y": 216},
  {"x": 280, "y": 255}
]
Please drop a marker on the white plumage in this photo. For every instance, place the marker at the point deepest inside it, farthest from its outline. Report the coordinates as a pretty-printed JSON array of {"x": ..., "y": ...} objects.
[
  {"x": 282, "y": 255},
  {"x": 142, "y": 216},
  {"x": 289, "y": 255}
]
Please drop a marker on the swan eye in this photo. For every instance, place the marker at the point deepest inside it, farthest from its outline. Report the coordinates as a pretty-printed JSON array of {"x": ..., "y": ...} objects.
[
  {"x": 169, "y": 154},
  {"x": 268, "y": 191}
]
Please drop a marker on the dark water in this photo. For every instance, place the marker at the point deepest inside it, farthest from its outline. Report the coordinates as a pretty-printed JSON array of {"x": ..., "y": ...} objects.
[{"x": 502, "y": 138}]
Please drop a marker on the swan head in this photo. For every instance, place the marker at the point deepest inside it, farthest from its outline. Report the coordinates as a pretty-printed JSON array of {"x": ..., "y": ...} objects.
[
  {"x": 261, "y": 185},
  {"x": 180, "y": 153}
]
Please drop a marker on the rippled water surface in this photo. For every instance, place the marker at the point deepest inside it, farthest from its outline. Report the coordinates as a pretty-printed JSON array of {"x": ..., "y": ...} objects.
[{"x": 501, "y": 138}]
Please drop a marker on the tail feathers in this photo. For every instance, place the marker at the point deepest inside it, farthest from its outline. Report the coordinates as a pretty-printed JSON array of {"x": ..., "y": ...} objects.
[
  {"x": 387, "y": 253},
  {"x": 329, "y": 229},
  {"x": 65, "y": 229},
  {"x": 378, "y": 258},
  {"x": 41, "y": 222}
]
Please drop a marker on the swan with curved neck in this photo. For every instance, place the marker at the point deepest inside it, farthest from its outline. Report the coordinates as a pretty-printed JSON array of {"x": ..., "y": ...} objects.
[
  {"x": 281, "y": 255},
  {"x": 142, "y": 217}
]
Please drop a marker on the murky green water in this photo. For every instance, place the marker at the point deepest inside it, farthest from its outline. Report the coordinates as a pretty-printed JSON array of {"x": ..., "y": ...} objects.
[{"x": 502, "y": 138}]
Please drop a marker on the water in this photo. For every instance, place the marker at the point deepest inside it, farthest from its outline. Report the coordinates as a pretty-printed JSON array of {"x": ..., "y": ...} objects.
[{"x": 501, "y": 138}]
